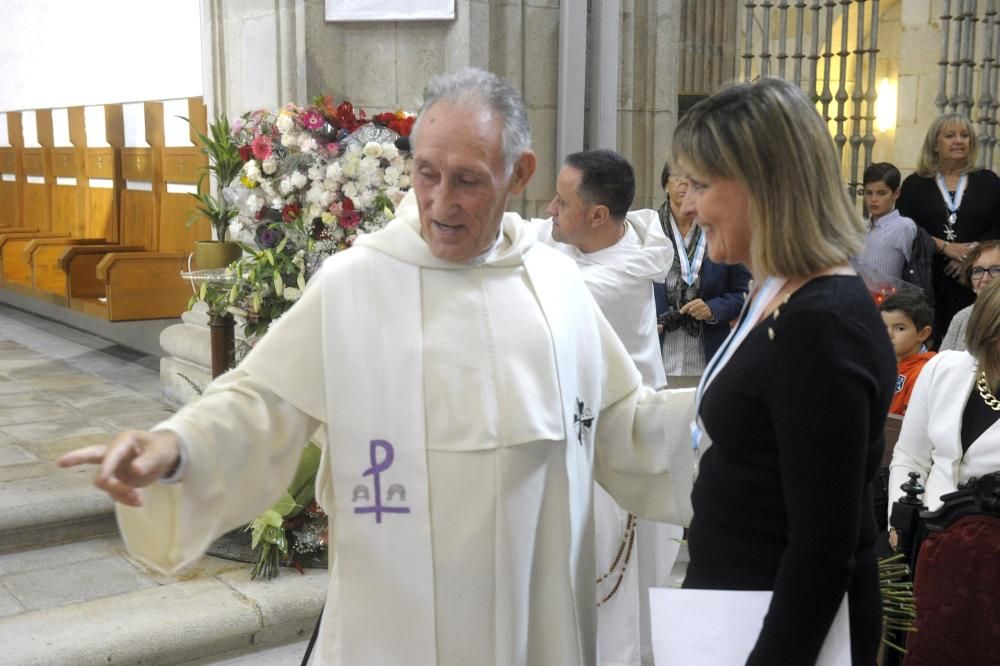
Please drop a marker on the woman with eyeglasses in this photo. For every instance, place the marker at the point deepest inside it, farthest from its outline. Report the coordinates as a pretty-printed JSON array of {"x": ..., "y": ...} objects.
[
  {"x": 980, "y": 266},
  {"x": 956, "y": 202},
  {"x": 699, "y": 298}
]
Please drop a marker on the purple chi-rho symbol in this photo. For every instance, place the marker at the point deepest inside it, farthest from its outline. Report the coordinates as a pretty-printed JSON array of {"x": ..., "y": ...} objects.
[{"x": 375, "y": 471}]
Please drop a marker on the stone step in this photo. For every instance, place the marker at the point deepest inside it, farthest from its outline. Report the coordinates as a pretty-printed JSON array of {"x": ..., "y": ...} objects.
[
  {"x": 87, "y": 603},
  {"x": 52, "y": 509},
  {"x": 289, "y": 654}
]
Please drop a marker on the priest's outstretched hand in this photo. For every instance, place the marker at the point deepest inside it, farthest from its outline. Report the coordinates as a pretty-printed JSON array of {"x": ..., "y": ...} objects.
[{"x": 132, "y": 460}]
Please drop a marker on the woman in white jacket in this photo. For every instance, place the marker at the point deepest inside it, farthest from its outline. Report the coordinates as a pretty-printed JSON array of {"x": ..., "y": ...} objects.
[{"x": 951, "y": 430}]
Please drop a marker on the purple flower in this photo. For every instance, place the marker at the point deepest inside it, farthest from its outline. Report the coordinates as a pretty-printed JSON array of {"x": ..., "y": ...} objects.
[{"x": 269, "y": 236}]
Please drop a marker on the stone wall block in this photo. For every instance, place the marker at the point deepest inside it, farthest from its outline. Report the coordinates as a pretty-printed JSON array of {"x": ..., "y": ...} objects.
[
  {"x": 541, "y": 56},
  {"x": 506, "y": 47},
  {"x": 418, "y": 56},
  {"x": 370, "y": 81},
  {"x": 906, "y": 100},
  {"x": 919, "y": 13},
  {"x": 909, "y": 139},
  {"x": 543, "y": 131}
]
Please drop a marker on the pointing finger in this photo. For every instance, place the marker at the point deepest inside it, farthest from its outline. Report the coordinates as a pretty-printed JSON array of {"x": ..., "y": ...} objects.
[{"x": 87, "y": 455}]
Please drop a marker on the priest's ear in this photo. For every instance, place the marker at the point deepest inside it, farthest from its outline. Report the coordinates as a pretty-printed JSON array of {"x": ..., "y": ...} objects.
[
  {"x": 524, "y": 169},
  {"x": 598, "y": 215}
]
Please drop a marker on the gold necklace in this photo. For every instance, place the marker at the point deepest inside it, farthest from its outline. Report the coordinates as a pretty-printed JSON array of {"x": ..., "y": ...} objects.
[{"x": 991, "y": 400}]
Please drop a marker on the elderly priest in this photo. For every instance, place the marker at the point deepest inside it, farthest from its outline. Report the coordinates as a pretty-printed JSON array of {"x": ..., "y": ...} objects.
[{"x": 461, "y": 360}]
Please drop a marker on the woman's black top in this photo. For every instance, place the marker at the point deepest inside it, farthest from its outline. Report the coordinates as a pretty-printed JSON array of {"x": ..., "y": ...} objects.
[
  {"x": 783, "y": 499},
  {"x": 976, "y": 418},
  {"x": 978, "y": 219}
]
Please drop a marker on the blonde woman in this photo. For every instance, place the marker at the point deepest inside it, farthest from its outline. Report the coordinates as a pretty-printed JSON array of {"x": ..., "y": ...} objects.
[
  {"x": 795, "y": 400},
  {"x": 954, "y": 201}
]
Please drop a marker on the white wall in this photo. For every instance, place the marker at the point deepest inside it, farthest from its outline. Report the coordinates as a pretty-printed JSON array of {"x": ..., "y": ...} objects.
[{"x": 58, "y": 53}]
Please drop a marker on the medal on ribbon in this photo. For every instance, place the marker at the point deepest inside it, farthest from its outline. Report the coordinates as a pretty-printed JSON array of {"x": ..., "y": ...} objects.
[{"x": 952, "y": 203}]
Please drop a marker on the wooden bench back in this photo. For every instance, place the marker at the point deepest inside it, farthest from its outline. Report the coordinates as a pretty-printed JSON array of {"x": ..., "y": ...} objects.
[{"x": 183, "y": 165}]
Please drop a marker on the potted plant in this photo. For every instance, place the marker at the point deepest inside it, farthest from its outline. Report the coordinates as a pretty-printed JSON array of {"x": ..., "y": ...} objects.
[{"x": 224, "y": 165}]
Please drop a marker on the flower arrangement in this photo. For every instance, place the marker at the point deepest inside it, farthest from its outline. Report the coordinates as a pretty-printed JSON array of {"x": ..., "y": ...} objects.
[{"x": 311, "y": 180}]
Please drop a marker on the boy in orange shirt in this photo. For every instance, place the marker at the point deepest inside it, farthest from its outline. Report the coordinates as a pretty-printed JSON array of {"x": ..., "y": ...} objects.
[{"x": 907, "y": 316}]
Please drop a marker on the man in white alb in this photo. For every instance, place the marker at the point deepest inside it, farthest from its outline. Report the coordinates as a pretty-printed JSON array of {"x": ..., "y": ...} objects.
[
  {"x": 621, "y": 253},
  {"x": 459, "y": 374}
]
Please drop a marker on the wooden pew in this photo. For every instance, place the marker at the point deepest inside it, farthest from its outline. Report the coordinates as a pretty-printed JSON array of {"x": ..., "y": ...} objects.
[
  {"x": 95, "y": 224},
  {"x": 12, "y": 183},
  {"x": 126, "y": 284},
  {"x": 36, "y": 207}
]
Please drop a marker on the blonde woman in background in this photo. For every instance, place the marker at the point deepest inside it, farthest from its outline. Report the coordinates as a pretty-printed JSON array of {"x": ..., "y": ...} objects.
[{"x": 956, "y": 202}]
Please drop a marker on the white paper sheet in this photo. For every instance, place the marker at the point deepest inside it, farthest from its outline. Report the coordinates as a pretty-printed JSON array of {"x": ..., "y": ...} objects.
[
  {"x": 720, "y": 628},
  {"x": 389, "y": 10}
]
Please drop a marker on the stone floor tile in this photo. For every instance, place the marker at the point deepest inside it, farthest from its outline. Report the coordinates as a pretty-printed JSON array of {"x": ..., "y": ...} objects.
[
  {"x": 116, "y": 405},
  {"x": 61, "y": 555},
  {"x": 37, "y": 413},
  {"x": 14, "y": 387},
  {"x": 14, "y": 455},
  {"x": 27, "y": 471},
  {"x": 135, "y": 421},
  {"x": 9, "y": 605},
  {"x": 53, "y": 430},
  {"x": 80, "y": 380},
  {"x": 73, "y": 396},
  {"x": 80, "y": 581},
  {"x": 46, "y": 368},
  {"x": 11, "y": 356},
  {"x": 24, "y": 399},
  {"x": 52, "y": 449}
]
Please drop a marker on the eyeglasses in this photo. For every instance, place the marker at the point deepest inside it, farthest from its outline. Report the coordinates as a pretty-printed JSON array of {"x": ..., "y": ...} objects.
[{"x": 977, "y": 272}]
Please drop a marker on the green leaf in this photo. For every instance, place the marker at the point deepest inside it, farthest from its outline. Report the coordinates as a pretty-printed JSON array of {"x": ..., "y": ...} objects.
[{"x": 284, "y": 506}]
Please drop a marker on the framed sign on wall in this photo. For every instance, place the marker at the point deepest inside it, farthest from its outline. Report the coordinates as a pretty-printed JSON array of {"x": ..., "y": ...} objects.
[{"x": 389, "y": 10}]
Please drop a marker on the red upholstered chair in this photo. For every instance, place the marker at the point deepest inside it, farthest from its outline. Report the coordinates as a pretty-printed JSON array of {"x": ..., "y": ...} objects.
[{"x": 957, "y": 581}]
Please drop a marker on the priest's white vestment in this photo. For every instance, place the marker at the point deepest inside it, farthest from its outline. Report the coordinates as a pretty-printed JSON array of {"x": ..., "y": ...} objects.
[
  {"x": 484, "y": 386},
  {"x": 620, "y": 278}
]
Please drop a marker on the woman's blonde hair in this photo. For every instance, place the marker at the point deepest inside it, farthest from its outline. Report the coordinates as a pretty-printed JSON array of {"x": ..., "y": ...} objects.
[
  {"x": 982, "y": 336},
  {"x": 768, "y": 137},
  {"x": 929, "y": 165}
]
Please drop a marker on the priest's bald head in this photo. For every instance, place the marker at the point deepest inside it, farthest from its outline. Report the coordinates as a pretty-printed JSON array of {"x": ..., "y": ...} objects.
[
  {"x": 471, "y": 151},
  {"x": 594, "y": 190}
]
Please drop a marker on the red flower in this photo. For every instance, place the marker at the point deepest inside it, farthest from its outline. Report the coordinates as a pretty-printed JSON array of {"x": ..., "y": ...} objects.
[
  {"x": 350, "y": 220},
  {"x": 246, "y": 153},
  {"x": 347, "y": 205},
  {"x": 406, "y": 125},
  {"x": 290, "y": 212},
  {"x": 345, "y": 116},
  {"x": 261, "y": 147}
]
